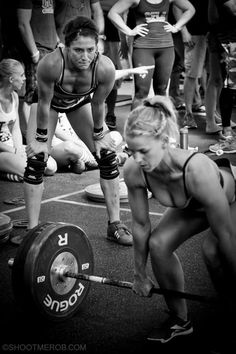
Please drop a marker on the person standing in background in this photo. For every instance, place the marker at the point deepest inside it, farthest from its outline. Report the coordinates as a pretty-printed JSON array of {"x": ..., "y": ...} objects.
[
  {"x": 195, "y": 48},
  {"x": 112, "y": 51},
  {"x": 153, "y": 42},
  {"x": 66, "y": 10}
]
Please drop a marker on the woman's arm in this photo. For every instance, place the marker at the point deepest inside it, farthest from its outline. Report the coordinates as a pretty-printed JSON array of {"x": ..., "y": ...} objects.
[
  {"x": 106, "y": 80},
  {"x": 115, "y": 15},
  {"x": 24, "y": 17},
  {"x": 187, "y": 10},
  {"x": 141, "y": 225},
  {"x": 16, "y": 131},
  {"x": 141, "y": 70}
]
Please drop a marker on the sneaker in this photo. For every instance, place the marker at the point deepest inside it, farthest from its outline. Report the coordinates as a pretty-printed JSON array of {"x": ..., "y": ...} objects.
[
  {"x": 218, "y": 119},
  {"x": 199, "y": 109},
  {"x": 110, "y": 121},
  {"x": 189, "y": 121},
  {"x": 224, "y": 147},
  {"x": 173, "y": 327},
  {"x": 10, "y": 177},
  {"x": 180, "y": 107},
  {"x": 119, "y": 233}
]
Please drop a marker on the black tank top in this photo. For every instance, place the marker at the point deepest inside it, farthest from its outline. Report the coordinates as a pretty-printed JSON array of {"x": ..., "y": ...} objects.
[{"x": 63, "y": 100}]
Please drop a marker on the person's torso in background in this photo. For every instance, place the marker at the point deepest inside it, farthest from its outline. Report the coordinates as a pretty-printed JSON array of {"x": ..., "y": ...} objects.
[
  {"x": 66, "y": 10},
  {"x": 226, "y": 27},
  {"x": 107, "y": 4},
  {"x": 198, "y": 24},
  {"x": 42, "y": 22},
  {"x": 7, "y": 120},
  {"x": 155, "y": 15}
]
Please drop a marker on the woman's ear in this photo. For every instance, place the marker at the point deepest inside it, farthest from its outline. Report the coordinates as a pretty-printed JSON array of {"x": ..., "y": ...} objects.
[{"x": 165, "y": 140}]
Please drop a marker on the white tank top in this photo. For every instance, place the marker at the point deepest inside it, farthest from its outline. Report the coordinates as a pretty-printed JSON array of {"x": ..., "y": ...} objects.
[{"x": 7, "y": 120}]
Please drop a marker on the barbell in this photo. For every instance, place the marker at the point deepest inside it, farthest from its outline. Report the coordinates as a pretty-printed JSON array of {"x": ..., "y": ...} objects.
[{"x": 53, "y": 268}]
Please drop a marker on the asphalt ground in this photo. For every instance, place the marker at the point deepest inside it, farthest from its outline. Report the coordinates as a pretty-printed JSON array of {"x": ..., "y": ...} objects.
[{"x": 110, "y": 320}]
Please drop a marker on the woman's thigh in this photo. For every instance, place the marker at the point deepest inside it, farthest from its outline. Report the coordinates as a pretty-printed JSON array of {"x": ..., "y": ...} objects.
[
  {"x": 142, "y": 57},
  {"x": 81, "y": 121},
  {"x": 164, "y": 61},
  {"x": 12, "y": 163},
  {"x": 178, "y": 225}
]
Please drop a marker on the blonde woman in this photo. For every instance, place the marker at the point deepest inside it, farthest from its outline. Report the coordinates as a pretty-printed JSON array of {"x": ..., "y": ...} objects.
[
  {"x": 12, "y": 150},
  {"x": 198, "y": 194}
]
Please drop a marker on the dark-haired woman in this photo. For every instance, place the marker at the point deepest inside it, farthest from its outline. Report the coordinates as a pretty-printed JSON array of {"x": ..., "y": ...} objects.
[{"x": 76, "y": 80}]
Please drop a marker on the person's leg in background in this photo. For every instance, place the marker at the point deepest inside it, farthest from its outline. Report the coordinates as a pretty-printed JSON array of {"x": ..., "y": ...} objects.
[
  {"x": 164, "y": 61},
  {"x": 214, "y": 86},
  {"x": 112, "y": 51},
  {"x": 194, "y": 63},
  {"x": 142, "y": 85},
  {"x": 228, "y": 91},
  {"x": 177, "y": 71}
]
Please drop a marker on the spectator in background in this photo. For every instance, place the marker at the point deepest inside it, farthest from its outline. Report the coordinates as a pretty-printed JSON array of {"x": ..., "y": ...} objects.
[
  {"x": 38, "y": 30},
  {"x": 224, "y": 27},
  {"x": 153, "y": 42},
  {"x": 178, "y": 67},
  {"x": 13, "y": 47},
  {"x": 194, "y": 39},
  {"x": 12, "y": 150},
  {"x": 112, "y": 51},
  {"x": 65, "y": 10}
]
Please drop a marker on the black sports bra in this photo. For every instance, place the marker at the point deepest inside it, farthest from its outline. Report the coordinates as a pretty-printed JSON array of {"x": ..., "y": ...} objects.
[{"x": 192, "y": 202}]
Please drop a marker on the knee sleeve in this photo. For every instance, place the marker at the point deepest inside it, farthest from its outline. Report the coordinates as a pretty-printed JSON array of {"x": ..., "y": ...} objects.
[
  {"x": 107, "y": 164},
  {"x": 35, "y": 169}
]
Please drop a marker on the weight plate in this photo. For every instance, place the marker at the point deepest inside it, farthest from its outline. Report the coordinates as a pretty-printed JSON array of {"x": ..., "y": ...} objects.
[
  {"x": 95, "y": 193},
  {"x": 21, "y": 295},
  {"x": 54, "y": 242}
]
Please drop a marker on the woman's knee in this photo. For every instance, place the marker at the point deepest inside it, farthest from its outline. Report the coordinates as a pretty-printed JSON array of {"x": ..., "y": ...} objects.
[
  {"x": 51, "y": 167},
  {"x": 210, "y": 251},
  {"x": 158, "y": 246}
]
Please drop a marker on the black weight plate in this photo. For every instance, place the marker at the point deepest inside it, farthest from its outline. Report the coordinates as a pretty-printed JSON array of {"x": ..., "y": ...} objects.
[
  {"x": 17, "y": 275},
  {"x": 57, "y": 238}
]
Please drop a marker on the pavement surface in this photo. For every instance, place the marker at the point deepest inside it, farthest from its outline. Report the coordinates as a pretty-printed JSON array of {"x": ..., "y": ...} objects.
[{"x": 110, "y": 320}]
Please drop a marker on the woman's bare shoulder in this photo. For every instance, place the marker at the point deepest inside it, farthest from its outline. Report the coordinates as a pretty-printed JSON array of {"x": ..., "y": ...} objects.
[
  {"x": 132, "y": 173},
  {"x": 50, "y": 65}
]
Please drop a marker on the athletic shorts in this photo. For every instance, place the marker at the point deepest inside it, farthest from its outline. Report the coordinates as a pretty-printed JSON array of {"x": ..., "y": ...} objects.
[{"x": 194, "y": 58}]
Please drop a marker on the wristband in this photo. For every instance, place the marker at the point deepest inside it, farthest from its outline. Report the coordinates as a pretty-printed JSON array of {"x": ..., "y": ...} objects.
[
  {"x": 42, "y": 131},
  {"x": 41, "y": 135},
  {"x": 98, "y": 130}
]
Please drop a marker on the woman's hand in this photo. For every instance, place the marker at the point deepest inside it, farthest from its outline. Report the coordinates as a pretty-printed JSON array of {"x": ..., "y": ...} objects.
[
  {"x": 170, "y": 28},
  {"x": 35, "y": 147},
  {"x": 106, "y": 143},
  {"x": 140, "y": 30}
]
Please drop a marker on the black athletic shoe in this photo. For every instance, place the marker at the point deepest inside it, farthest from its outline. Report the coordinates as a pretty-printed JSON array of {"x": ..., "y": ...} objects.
[
  {"x": 110, "y": 121},
  {"x": 119, "y": 233},
  {"x": 172, "y": 328}
]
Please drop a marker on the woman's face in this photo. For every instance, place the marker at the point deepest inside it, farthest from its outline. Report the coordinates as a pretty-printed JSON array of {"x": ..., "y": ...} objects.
[
  {"x": 147, "y": 151},
  {"x": 18, "y": 78},
  {"x": 82, "y": 52}
]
